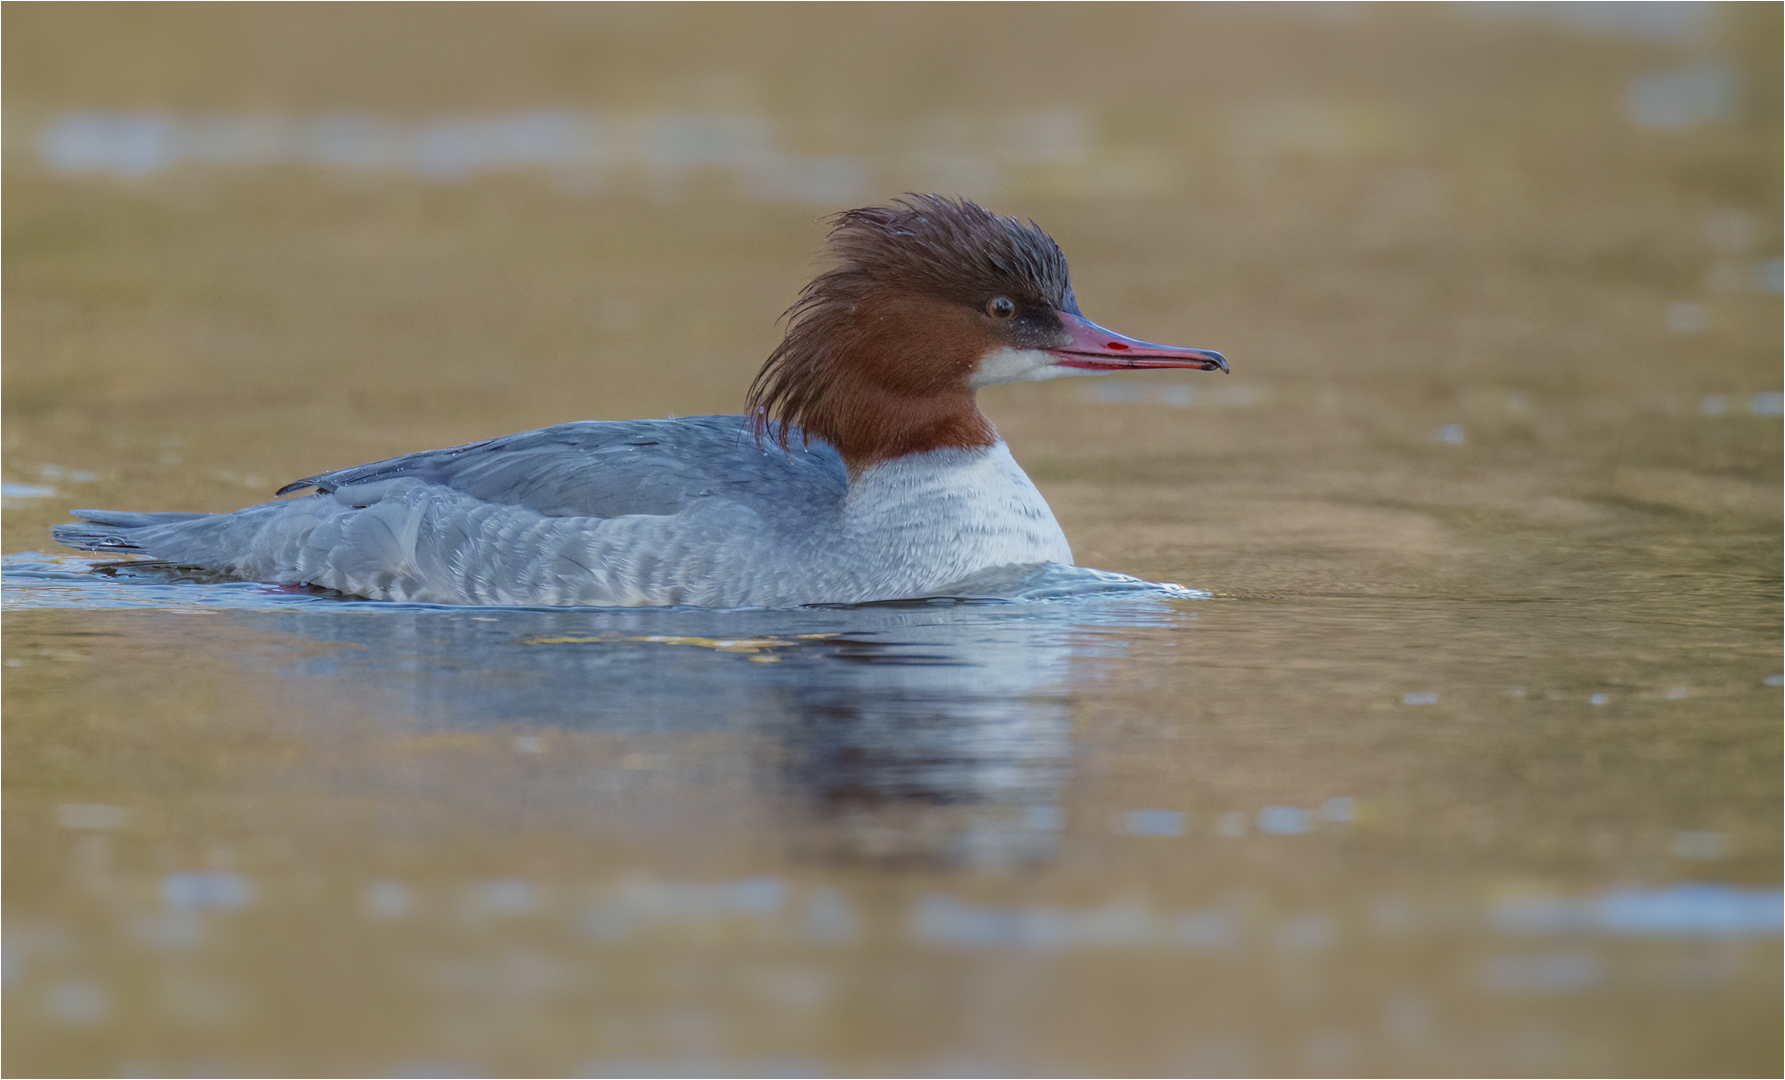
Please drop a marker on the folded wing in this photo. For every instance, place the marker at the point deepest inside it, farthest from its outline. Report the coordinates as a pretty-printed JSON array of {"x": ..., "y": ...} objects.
[{"x": 612, "y": 468}]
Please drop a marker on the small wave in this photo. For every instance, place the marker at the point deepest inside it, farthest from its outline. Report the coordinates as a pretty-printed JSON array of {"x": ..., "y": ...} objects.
[
  {"x": 35, "y": 579},
  {"x": 1053, "y": 581}
]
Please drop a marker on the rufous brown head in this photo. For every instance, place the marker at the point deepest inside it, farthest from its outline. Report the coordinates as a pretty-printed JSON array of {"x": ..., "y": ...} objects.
[{"x": 931, "y": 299}]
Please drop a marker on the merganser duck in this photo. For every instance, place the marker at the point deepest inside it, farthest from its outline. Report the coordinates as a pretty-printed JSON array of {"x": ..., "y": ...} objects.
[{"x": 862, "y": 470}]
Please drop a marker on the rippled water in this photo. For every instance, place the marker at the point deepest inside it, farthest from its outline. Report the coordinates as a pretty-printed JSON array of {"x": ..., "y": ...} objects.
[
  {"x": 1455, "y": 751},
  {"x": 1130, "y": 832}
]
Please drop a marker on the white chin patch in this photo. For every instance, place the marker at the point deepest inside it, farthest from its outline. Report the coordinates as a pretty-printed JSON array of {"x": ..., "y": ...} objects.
[{"x": 1009, "y": 365}]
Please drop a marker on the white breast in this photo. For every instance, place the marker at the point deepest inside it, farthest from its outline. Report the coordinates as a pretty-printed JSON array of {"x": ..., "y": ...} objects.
[{"x": 927, "y": 520}]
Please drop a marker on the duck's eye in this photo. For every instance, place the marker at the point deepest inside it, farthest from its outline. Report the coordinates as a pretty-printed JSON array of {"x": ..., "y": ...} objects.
[{"x": 1001, "y": 307}]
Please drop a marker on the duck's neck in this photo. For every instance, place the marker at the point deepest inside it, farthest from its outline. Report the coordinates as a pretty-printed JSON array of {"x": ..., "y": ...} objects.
[
  {"x": 892, "y": 430},
  {"x": 880, "y": 376}
]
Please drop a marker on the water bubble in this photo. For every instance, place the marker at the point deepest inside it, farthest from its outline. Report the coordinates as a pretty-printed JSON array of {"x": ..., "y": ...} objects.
[
  {"x": 1714, "y": 405},
  {"x": 1451, "y": 434},
  {"x": 130, "y": 144},
  {"x": 1154, "y": 823},
  {"x": 1691, "y": 908},
  {"x": 389, "y": 900},
  {"x": 1767, "y": 403},
  {"x": 943, "y": 920},
  {"x": 13, "y": 490},
  {"x": 1681, "y": 98},
  {"x": 1774, "y": 680},
  {"x": 1696, "y": 908},
  {"x": 1769, "y": 276},
  {"x": 503, "y": 896},
  {"x": 1420, "y": 697},
  {"x": 641, "y": 902},
  {"x": 219, "y": 890},
  {"x": 1598, "y": 698},
  {"x": 1285, "y": 820}
]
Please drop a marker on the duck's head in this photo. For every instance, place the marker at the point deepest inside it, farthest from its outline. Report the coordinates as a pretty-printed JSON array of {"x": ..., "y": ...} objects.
[{"x": 931, "y": 299}]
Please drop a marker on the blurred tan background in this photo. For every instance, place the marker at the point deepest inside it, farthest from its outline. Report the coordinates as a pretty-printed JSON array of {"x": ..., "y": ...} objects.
[
  {"x": 1491, "y": 503},
  {"x": 248, "y": 242}
]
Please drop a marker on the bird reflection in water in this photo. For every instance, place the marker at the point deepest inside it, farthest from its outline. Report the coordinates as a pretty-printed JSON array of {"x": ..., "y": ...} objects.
[
  {"x": 925, "y": 749},
  {"x": 918, "y": 733}
]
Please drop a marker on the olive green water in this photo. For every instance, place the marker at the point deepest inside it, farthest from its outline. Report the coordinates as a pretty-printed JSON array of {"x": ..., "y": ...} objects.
[{"x": 1470, "y": 764}]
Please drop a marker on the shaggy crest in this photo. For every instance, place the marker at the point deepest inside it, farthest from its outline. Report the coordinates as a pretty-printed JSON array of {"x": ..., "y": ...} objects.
[{"x": 844, "y": 374}]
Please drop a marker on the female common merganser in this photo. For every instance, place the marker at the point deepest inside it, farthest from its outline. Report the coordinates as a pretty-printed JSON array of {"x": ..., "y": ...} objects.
[{"x": 863, "y": 469}]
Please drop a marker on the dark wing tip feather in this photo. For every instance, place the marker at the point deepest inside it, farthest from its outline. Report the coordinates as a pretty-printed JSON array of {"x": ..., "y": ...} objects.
[{"x": 86, "y": 536}]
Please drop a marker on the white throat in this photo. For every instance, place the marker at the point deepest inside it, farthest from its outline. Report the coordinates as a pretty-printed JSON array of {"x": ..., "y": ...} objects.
[{"x": 1008, "y": 365}]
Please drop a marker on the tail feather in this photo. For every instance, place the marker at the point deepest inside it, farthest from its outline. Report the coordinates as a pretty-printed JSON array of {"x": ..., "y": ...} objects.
[{"x": 109, "y": 530}]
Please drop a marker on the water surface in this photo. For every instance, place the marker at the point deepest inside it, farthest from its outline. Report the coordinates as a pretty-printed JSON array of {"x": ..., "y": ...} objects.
[{"x": 1457, "y": 751}]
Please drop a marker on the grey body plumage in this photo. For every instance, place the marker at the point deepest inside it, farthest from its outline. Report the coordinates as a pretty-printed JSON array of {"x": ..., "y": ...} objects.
[{"x": 629, "y": 513}]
